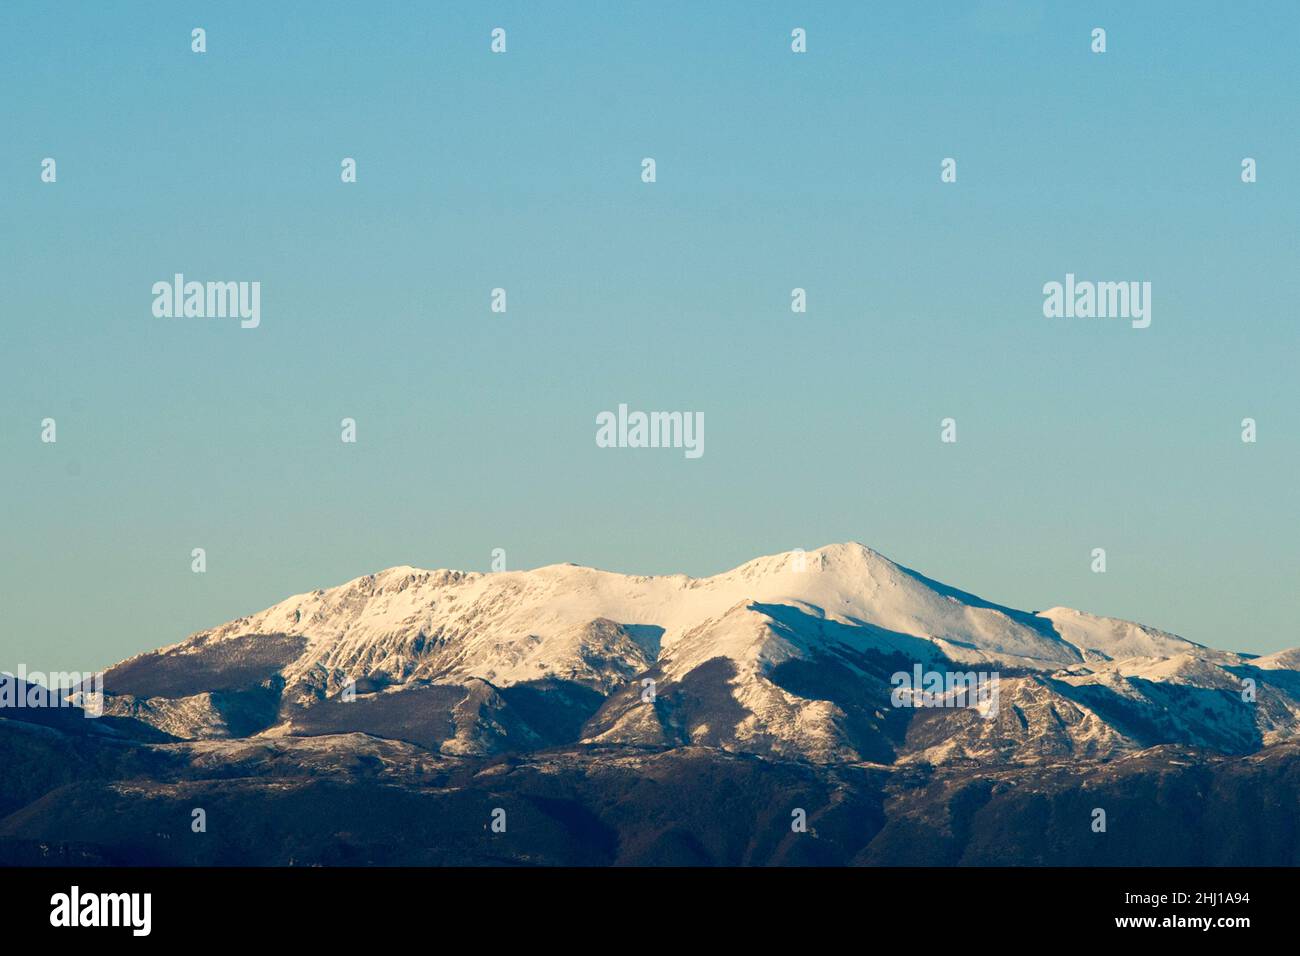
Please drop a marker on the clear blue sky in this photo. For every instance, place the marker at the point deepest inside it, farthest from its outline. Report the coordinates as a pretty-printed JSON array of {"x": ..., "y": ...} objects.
[{"x": 775, "y": 170}]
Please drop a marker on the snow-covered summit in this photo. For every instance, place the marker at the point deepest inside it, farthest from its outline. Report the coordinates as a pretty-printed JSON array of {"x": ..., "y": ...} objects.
[
  {"x": 799, "y": 646},
  {"x": 519, "y": 625}
]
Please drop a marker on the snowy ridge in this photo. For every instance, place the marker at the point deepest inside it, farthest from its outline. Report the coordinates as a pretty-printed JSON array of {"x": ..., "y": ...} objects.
[{"x": 787, "y": 654}]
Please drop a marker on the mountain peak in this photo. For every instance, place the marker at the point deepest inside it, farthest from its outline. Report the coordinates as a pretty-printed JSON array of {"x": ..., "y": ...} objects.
[
  {"x": 849, "y": 556},
  {"x": 785, "y": 653}
]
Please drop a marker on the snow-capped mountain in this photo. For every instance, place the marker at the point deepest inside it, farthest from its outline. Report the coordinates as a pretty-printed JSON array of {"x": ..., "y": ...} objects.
[{"x": 789, "y": 655}]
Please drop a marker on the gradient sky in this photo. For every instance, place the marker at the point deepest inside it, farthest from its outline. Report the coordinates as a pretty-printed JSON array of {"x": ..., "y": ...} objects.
[{"x": 476, "y": 430}]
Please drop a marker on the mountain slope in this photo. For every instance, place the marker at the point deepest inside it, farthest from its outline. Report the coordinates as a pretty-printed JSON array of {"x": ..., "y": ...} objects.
[{"x": 790, "y": 656}]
